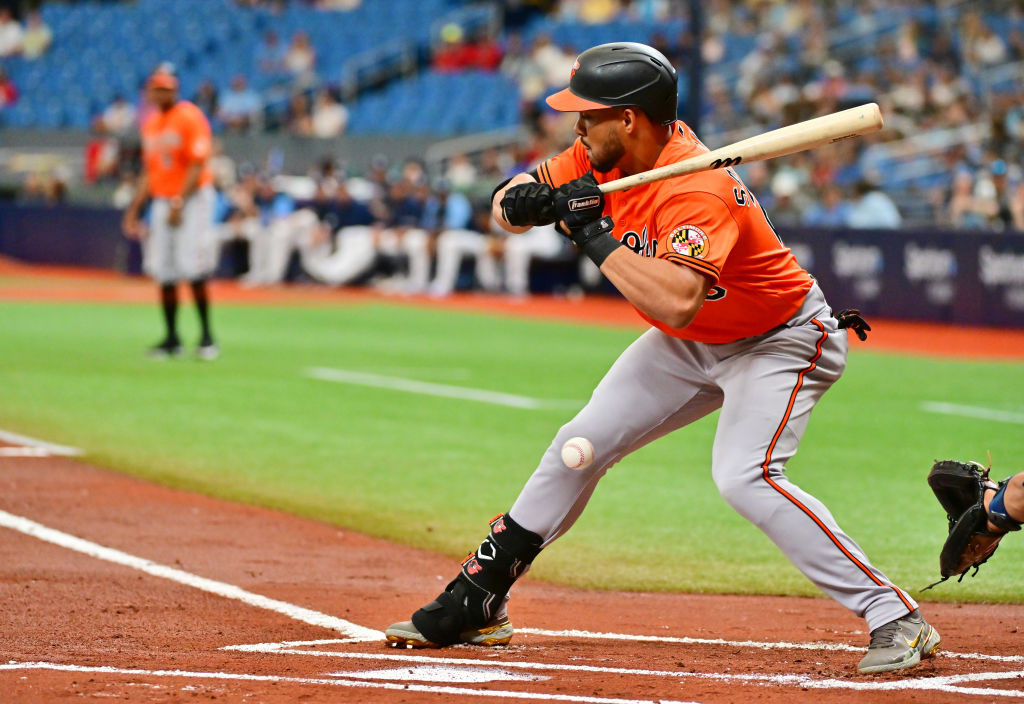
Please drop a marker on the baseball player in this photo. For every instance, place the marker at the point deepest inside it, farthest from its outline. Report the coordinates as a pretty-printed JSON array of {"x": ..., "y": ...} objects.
[
  {"x": 736, "y": 325},
  {"x": 181, "y": 242}
]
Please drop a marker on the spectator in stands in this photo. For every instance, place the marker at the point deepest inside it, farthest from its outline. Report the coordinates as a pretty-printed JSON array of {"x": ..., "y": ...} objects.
[
  {"x": 487, "y": 53},
  {"x": 8, "y": 91},
  {"x": 994, "y": 197},
  {"x": 788, "y": 200},
  {"x": 120, "y": 117},
  {"x": 981, "y": 46},
  {"x": 11, "y": 34},
  {"x": 102, "y": 154},
  {"x": 37, "y": 36},
  {"x": 520, "y": 65},
  {"x": 831, "y": 210},
  {"x": 239, "y": 106},
  {"x": 270, "y": 56},
  {"x": 225, "y": 174},
  {"x": 453, "y": 55},
  {"x": 872, "y": 208},
  {"x": 554, "y": 60},
  {"x": 330, "y": 117},
  {"x": 299, "y": 120},
  {"x": 460, "y": 173},
  {"x": 207, "y": 99},
  {"x": 300, "y": 60}
]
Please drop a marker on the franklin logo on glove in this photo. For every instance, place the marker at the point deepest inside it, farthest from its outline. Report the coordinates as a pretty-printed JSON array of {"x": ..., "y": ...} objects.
[
  {"x": 579, "y": 202},
  {"x": 583, "y": 203}
]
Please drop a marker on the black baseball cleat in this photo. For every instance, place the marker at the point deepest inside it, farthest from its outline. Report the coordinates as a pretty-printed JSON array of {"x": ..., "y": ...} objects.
[{"x": 170, "y": 347}]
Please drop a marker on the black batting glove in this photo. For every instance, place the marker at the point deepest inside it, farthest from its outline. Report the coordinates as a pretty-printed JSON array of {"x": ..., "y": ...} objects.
[
  {"x": 595, "y": 239},
  {"x": 852, "y": 319},
  {"x": 579, "y": 201},
  {"x": 528, "y": 204}
]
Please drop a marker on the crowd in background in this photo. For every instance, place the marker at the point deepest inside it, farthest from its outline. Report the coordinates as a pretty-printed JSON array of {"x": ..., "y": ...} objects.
[{"x": 949, "y": 89}]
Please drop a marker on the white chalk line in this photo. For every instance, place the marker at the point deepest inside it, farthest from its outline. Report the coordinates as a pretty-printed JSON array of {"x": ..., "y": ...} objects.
[
  {"x": 25, "y": 452},
  {"x": 37, "y": 530},
  {"x": 929, "y": 683},
  {"x": 361, "y": 684},
  {"x": 394, "y": 383},
  {"x": 957, "y": 409},
  {"x": 761, "y": 645},
  {"x": 52, "y": 448}
]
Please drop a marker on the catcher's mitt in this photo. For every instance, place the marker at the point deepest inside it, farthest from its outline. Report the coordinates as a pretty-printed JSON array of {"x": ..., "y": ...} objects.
[{"x": 960, "y": 488}]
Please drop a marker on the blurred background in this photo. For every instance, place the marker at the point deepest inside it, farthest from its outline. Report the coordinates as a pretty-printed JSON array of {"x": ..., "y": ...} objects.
[{"x": 358, "y": 141}]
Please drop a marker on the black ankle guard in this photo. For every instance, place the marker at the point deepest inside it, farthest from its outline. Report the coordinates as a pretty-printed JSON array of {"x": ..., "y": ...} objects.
[{"x": 472, "y": 598}]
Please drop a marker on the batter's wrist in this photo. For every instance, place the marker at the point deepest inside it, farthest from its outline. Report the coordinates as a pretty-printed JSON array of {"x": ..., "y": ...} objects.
[
  {"x": 177, "y": 202},
  {"x": 596, "y": 239}
]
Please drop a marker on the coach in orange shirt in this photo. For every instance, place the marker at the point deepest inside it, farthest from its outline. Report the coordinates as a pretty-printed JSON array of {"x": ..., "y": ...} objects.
[
  {"x": 181, "y": 241},
  {"x": 737, "y": 326}
]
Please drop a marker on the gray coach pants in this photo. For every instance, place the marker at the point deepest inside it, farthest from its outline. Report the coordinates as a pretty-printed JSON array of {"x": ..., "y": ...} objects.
[{"x": 766, "y": 387}]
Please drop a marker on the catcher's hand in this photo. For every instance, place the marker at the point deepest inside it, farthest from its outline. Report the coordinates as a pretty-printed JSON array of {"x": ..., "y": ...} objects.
[{"x": 960, "y": 487}]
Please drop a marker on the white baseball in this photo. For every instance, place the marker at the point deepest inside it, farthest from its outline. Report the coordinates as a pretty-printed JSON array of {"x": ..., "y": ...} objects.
[{"x": 577, "y": 453}]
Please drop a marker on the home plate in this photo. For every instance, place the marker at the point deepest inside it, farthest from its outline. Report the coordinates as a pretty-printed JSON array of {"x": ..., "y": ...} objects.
[{"x": 436, "y": 673}]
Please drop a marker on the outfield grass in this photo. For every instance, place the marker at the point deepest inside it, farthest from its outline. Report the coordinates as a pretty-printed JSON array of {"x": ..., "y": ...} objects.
[{"x": 430, "y": 471}]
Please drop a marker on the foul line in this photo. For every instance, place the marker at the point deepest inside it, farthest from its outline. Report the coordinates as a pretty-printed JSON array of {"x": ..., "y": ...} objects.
[
  {"x": 37, "y": 530},
  {"x": 426, "y": 388},
  {"x": 16, "y": 439},
  {"x": 956, "y": 409},
  {"x": 432, "y": 689}
]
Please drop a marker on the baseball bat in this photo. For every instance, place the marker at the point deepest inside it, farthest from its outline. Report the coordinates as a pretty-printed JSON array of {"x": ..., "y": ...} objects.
[{"x": 791, "y": 139}]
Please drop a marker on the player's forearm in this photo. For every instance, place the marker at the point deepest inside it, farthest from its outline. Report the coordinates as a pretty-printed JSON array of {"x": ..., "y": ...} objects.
[
  {"x": 496, "y": 212},
  {"x": 195, "y": 170},
  {"x": 141, "y": 194},
  {"x": 664, "y": 291}
]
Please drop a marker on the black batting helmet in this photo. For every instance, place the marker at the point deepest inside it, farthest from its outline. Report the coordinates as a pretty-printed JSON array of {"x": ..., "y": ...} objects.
[{"x": 621, "y": 74}]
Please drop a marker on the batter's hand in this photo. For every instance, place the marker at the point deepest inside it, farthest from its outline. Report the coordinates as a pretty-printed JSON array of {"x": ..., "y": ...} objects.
[
  {"x": 528, "y": 204},
  {"x": 579, "y": 201}
]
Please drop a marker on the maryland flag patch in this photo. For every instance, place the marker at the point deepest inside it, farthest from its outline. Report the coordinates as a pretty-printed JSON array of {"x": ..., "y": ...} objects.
[{"x": 689, "y": 241}]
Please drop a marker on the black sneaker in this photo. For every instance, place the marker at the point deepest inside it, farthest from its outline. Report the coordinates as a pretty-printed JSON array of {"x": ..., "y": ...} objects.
[
  {"x": 171, "y": 347},
  {"x": 207, "y": 349}
]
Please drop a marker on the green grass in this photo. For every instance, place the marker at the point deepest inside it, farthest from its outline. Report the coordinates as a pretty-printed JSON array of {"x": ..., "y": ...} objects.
[{"x": 430, "y": 471}]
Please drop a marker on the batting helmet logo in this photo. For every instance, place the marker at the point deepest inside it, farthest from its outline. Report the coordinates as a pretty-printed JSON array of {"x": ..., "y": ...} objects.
[
  {"x": 689, "y": 241},
  {"x": 575, "y": 68}
]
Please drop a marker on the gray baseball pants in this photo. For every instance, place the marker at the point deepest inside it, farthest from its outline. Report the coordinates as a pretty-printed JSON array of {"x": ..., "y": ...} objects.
[{"x": 766, "y": 387}]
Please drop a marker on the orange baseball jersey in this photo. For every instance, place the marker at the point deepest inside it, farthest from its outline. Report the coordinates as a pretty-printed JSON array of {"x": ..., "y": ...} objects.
[
  {"x": 171, "y": 141},
  {"x": 711, "y": 223}
]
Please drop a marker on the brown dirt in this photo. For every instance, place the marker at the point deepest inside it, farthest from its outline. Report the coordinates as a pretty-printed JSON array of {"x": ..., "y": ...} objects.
[
  {"x": 63, "y": 607},
  {"x": 108, "y": 630}
]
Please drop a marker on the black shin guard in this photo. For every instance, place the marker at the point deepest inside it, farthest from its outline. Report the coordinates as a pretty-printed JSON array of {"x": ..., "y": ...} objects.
[{"x": 472, "y": 598}]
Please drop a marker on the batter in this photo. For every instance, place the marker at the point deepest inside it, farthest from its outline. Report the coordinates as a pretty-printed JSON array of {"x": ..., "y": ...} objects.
[{"x": 737, "y": 325}]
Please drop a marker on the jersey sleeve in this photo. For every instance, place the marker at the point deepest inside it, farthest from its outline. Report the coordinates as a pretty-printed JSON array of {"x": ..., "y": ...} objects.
[
  {"x": 570, "y": 164},
  {"x": 198, "y": 141},
  {"x": 696, "y": 230}
]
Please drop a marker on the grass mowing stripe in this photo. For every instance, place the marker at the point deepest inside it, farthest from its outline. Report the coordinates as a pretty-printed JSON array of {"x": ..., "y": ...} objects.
[
  {"x": 347, "y": 376},
  {"x": 957, "y": 409}
]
